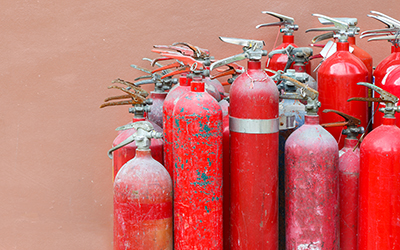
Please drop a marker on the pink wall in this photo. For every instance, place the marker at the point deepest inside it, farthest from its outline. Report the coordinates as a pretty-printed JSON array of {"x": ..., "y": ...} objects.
[{"x": 58, "y": 57}]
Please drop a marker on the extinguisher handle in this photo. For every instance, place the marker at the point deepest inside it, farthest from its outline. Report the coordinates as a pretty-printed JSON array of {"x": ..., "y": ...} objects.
[
  {"x": 386, "y": 16},
  {"x": 131, "y": 87},
  {"x": 169, "y": 66},
  {"x": 286, "y": 21},
  {"x": 199, "y": 53},
  {"x": 180, "y": 49},
  {"x": 125, "y": 142},
  {"x": 322, "y": 37},
  {"x": 350, "y": 121},
  {"x": 141, "y": 69},
  {"x": 233, "y": 69}
]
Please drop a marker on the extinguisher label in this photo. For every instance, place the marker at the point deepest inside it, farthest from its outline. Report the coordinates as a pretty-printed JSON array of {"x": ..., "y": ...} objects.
[
  {"x": 330, "y": 48},
  {"x": 253, "y": 126}
]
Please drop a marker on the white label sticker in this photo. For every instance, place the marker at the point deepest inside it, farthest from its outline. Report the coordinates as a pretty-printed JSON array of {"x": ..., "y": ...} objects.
[{"x": 330, "y": 48}]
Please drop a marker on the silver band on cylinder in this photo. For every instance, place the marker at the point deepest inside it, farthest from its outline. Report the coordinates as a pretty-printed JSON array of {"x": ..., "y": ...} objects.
[{"x": 254, "y": 126}]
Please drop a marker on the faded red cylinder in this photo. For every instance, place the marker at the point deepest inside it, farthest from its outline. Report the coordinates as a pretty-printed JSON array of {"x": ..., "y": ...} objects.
[
  {"x": 156, "y": 114},
  {"x": 168, "y": 108},
  {"x": 278, "y": 61},
  {"x": 337, "y": 82},
  {"x": 254, "y": 145},
  {"x": 128, "y": 152},
  {"x": 143, "y": 205},
  {"x": 349, "y": 171},
  {"x": 379, "y": 200},
  {"x": 198, "y": 170},
  {"x": 312, "y": 188},
  {"x": 389, "y": 68}
]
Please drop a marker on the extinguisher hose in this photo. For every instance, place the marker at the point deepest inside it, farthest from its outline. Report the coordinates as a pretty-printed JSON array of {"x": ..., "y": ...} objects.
[{"x": 128, "y": 140}]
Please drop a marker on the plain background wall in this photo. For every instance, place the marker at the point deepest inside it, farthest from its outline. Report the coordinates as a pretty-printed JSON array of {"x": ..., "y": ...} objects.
[{"x": 58, "y": 57}]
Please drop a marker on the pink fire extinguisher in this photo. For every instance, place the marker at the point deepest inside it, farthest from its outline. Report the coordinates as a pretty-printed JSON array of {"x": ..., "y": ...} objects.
[{"x": 142, "y": 197}]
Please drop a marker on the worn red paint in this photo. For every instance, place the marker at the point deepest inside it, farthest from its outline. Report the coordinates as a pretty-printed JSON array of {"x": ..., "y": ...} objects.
[
  {"x": 197, "y": 170},
  {"x": 390, "y": 83},
  {"x": 143, "y": 205},
  {"x": 379, "y": 200},
  {"x": 278, "y": 61},
  {"x": 349, "y": 171},
  {"x": 254, "y": 163},
  {"x": 312, "y": 190},
  {"x": 182, "y": 88},
  {"x": 156, "y": 114},
  {"x": 337, "y": 82},
  {"x": 128, "y": 152}
]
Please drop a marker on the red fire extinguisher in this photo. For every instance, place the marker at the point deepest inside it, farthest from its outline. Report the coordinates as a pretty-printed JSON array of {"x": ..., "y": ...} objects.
[
  {"x": 161, "y": 88},
  {"x": 254, "y": 127},
  {"x": 279, "y": 61},
  {"x": 142, "y": 197},
  {"x": 311, "y": 182},
  {"x": 387, "y": 64},
  {"x": 338, "y": 85},
  {"x": 379, "y": 199},
  {"x": 352, "y": 31},
  {"x": 141, "y": 107},
  {"x": 349, "y": 171},
  {"x": 197, "y": 126}
]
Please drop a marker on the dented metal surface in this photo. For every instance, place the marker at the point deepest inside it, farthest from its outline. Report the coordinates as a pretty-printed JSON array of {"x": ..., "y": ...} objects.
[{"x": 198, "y": 170}]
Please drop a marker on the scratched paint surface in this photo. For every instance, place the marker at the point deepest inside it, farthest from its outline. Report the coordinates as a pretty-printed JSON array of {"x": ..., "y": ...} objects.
[
  {"x": 379, "y": 199},
  {"x": 126, "y": 153},
  {"x": 287, "y": 107},
  {"x": 312, "y": 188},
  {"x": 198, "y": 172},
  {"x": 156, "y": 114},
  {"x": 143, "y": 205},
  {"x": 254, "y": 164},
  {"x": 168, "y": 109},
  {"x": 349, "y": 171}
]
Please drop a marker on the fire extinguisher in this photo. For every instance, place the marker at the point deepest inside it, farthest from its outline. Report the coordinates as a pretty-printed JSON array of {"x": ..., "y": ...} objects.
[
  {"x": 254, "y": 127},
  {"x": 297, "y": 59},
  {"x": 197, "y": 126},
  {"x": 213, "y": 86},
  {"x": 161, "y": 88},
  {"x": 349, "y": 171},
  {"x": 234, "y": 70},
  {"x": 311, "y": 182},
  {"x": 338, "y": 85},
  {"x": 141, "y": 107},
  {"x": 387, "y": 64},
  {"x": 279, "y": 61},
  {"x": 142, "y": 197},
  {"x": 379, "y": 199},
  {"x": 352, "y": 31}
]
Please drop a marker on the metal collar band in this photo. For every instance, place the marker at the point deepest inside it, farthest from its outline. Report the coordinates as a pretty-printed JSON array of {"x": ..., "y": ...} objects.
[{"x": 254, "y": 126}]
